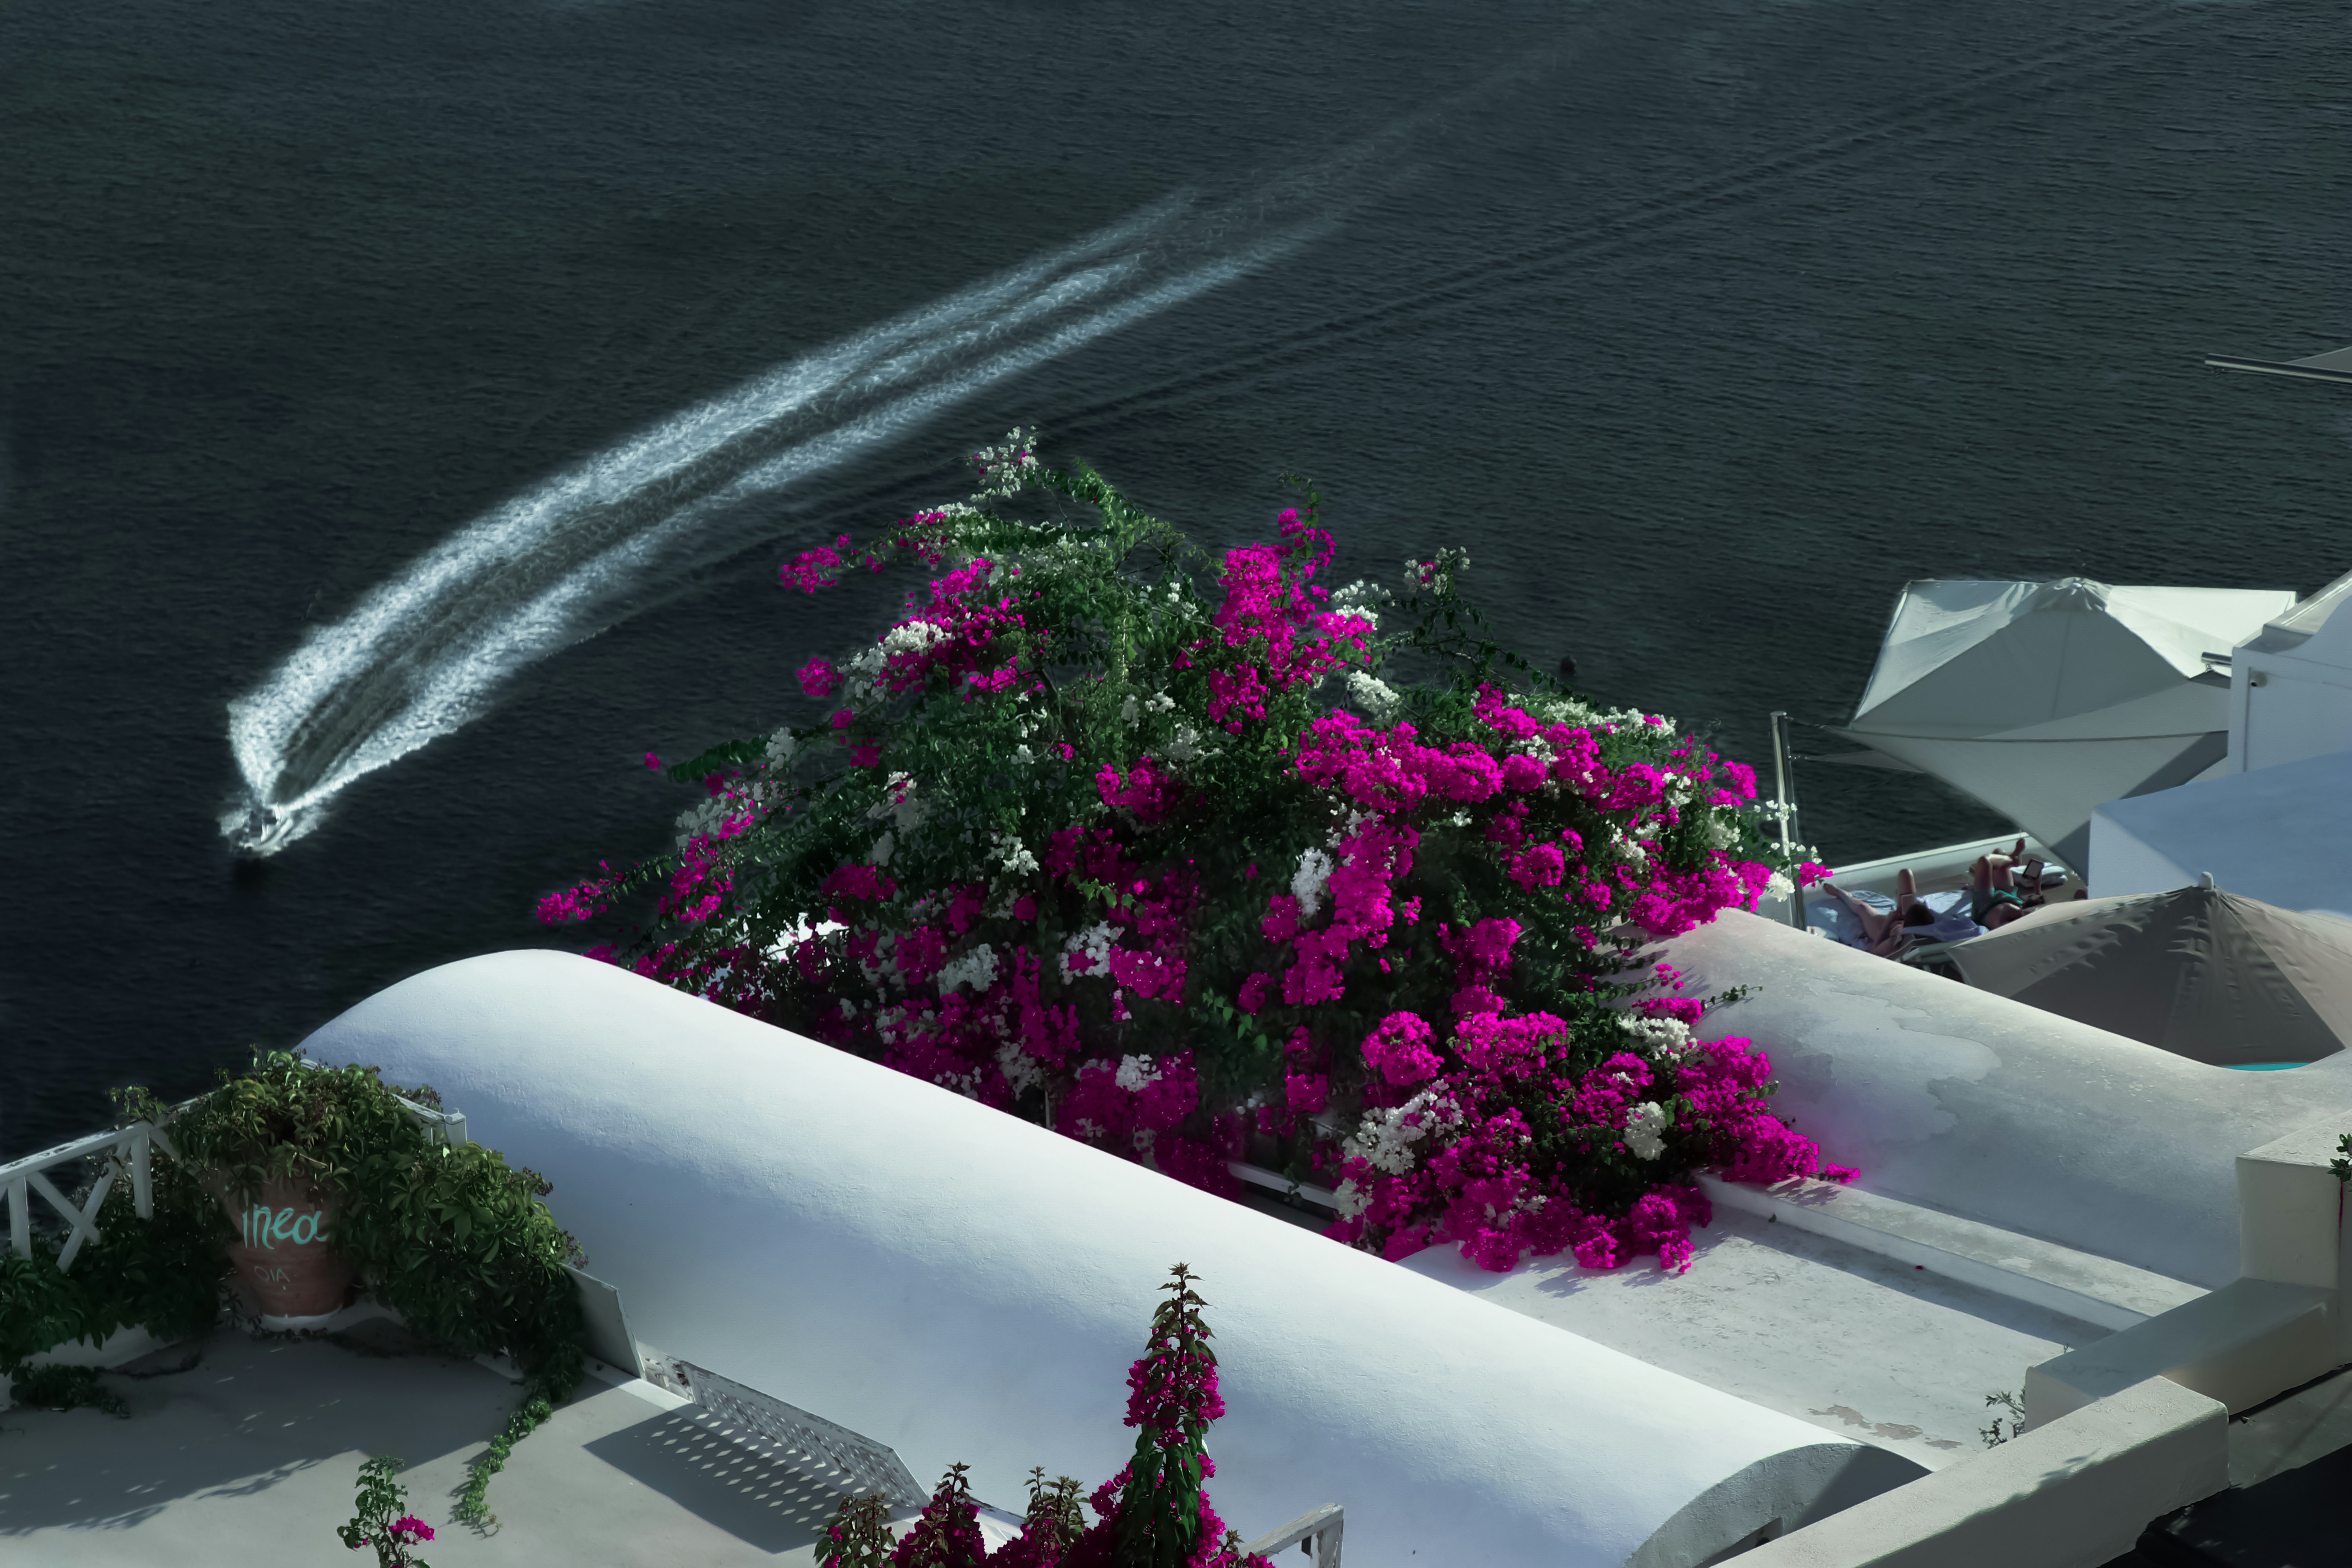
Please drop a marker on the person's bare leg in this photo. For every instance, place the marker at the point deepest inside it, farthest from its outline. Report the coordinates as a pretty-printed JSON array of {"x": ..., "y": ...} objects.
[
  {"x": 1873, "y": 924},
  {"x": 1906, "y": 893}
]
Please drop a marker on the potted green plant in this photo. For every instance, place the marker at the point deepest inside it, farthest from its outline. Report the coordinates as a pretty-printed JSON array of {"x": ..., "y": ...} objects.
[
  {"x": 306, "y": 1179},
  {"x": 277, "y": 1146}
]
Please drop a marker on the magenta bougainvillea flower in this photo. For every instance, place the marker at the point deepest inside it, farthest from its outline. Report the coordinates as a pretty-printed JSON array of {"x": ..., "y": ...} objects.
[{"x": 1161, "y": 849}]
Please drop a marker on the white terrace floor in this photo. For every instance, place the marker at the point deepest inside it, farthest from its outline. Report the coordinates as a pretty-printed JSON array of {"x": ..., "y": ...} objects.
[
  {"x": 1861, "y": 1341},
  {"x": 250, "y": 1454},
  {"x": 249, "y": 1457},
  {"x": 1861, "y": 1345}
]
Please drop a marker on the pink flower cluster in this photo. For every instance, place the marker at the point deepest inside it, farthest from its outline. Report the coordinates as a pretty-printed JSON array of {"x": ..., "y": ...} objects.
[
  {"x": 589, "y": 898},
  {"x": 1478, "y": 1165},
  {"x": 1149, "y": 792},
  {"x": 405, "y": 1532},
  {"x": 1400, "y": 1051},
  {"x": 1420, "y": 1000},
  {"x": 814, "y": 569},
  {"x": 953, "y": 633},
  {"x": 918, "y": 536},
  {"x": 1275, "y": 631}
]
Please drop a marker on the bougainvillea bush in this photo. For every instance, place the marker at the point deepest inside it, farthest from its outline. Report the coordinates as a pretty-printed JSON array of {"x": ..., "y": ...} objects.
[
  {"x": 1155, "y": 1513},
  {"x": 1190, "y": 856}
]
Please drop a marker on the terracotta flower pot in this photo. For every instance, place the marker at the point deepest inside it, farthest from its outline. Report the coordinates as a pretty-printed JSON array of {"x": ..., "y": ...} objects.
[{"x": 279, "y": 1253}]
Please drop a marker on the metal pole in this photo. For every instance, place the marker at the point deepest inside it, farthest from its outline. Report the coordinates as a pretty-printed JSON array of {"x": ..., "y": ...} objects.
[{"x": 1784, "y": 792}]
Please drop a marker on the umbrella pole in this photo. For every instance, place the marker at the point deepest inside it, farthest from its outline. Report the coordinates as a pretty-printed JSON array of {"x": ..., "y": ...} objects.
[{"x": 1784, "y": 782}]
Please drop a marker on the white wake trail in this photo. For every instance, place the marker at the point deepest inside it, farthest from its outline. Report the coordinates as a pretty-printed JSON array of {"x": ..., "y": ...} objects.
[{"x": 426, "y": 652}]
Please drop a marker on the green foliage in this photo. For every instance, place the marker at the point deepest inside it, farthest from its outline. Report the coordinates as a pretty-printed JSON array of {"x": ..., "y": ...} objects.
[
  {"x": 455, "y": 1239},
  {"x": 2341, "y": 1166},
  {"x": 472, "y": 1507},
  {"x": 1054, "y": 1520},
  {"x": 860, "y": 1535},
  {"x": 1993, "y": 1435},
  {"x": 380, "y": 1517},
  {"x": 65, "y": 1388},
  {"x": 1174, "y": 1401},
  {"x": 339, "y": 1129},
  {"x": 161, "y": 1275},
  {"x": 947, "y": 1535}
]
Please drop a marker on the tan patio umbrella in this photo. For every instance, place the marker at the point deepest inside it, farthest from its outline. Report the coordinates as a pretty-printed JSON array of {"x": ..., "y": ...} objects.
[{"x": 2198, "y": 971}]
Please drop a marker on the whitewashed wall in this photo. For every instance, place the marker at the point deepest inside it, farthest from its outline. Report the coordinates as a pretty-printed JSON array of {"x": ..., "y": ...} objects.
[
  {"x": 961, "y": 1285},
  {"x": 1983, "y": 1106},
  {"x": 2278, "y": 834}
]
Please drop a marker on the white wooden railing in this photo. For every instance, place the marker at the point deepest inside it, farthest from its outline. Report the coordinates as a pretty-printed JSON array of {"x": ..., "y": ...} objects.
[
  {"x": 125, "y": 1151},
  {"x": 128, "y": 1151},
  {"x": 1317, "y": 1531}
]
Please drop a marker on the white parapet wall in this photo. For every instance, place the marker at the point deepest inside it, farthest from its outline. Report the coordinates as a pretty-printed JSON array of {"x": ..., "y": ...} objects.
[
  {"x": 2280, "y": 1324},
  {"x": 2127, "y": 1427},
  {"x": 1986, "y": 1108},
  {"x": 2291, "y": 1213},
  {"x": 2075, "y": 1493},
  {"x": 2279, "y": 834},
  {"x": 962, "y": 1286}
]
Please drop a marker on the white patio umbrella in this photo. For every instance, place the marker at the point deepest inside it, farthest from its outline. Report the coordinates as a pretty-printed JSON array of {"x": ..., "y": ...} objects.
[{"x": 2044, "y": 699}]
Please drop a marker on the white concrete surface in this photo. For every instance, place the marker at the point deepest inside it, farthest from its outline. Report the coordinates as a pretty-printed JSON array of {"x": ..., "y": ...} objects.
[
  {"x": 960, "y": 1285},
  {"x": 2291, "y": 686},
  {"x": 2279, "y": 834},
  {"x": 2074, "y": 1494},
  {"x": 1850, "y": 1341},
  {"x": 2290, "y": 1432},
  {"x": 2241, "y": 1345},
  {"x": 251, "y": 1459},
  {"x": 2061, "y": 1280},
  {"x": 2291, "y": 1215},
  {"x": 1989, "y": 1109}
]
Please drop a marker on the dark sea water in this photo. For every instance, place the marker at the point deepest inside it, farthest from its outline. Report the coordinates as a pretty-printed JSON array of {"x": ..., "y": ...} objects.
[{"x": 1702, "y": 325}]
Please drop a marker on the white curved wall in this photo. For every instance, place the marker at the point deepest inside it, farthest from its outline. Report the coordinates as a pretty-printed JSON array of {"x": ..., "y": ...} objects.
[
  {"x": 1983, "y": 1106},
  {"x": 962, "y": 1285}
]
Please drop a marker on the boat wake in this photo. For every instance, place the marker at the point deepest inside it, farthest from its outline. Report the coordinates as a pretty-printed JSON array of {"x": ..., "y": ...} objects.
[{"x": 426, "y": 651}]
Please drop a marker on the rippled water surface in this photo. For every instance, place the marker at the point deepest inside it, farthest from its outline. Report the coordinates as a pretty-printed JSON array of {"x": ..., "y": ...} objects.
[{"x": 403, "y": 410}]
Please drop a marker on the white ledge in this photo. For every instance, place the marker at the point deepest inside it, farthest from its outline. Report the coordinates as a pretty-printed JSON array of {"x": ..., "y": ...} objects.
[
  {"x": 2240, "y": 1345},
  {"x": 2081, "y": 1285},
  {"x": 2075, "y": 1491}
]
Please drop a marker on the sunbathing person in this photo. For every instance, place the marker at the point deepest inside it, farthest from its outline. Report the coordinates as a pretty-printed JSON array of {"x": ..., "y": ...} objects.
[
  {"x": 1994, "y": 897},
  {"x": 1888, "y": 934}
]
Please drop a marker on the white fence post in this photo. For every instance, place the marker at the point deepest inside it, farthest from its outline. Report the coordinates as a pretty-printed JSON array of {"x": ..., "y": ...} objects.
[{"x": 143, "y": 1178}]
